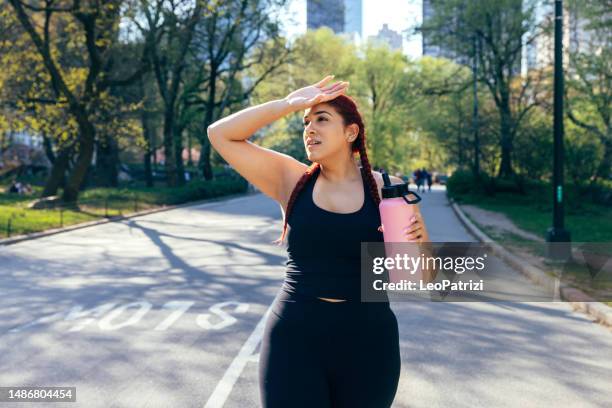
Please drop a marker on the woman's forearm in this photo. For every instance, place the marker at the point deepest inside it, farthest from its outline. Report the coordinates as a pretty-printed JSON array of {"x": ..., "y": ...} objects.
[{"x": 242, "y": 124}]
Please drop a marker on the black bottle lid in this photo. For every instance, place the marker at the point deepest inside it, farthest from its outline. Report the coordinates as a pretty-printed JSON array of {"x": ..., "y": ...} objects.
[{"x": 397, "y": 190}]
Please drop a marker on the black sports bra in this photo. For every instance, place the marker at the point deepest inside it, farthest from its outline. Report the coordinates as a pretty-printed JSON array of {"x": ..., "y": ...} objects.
[{"x": 324, "y": 247}]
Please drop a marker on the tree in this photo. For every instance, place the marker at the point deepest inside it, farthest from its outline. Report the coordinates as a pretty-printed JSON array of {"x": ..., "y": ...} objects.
[
  {"x": 503, "y": 28},
  {"x": 238, "y": 46},
  {"x": 28, "y": 101},
  {"x": 94, "y": 27},
  {"x": 589, "y": 83},
  {"x": 442, "y": 115},
  {"x": 387, "y": 87},
  {"x": 168, "y": 29}
]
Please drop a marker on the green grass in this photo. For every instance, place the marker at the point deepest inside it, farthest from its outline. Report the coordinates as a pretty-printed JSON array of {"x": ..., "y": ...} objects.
[
  {"x": 104, "y": 202},
  {"x": 586, "y": 222},
  {"x": 590, "y": 223},
  {"x": 16, "y": 219}
]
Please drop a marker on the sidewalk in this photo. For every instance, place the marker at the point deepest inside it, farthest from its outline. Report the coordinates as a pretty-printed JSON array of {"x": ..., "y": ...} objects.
[
  {"x": 498, "y": 223},
  {"x": 494, "y": 226}
]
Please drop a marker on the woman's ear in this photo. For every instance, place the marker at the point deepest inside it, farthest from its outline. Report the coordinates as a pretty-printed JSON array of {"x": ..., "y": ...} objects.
[{"x": 352, "y": 132}]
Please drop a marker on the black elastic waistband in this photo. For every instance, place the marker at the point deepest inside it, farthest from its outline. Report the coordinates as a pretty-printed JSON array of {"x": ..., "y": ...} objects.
[
  {"x": 285, "y": 296},
  {"x": 313, "y": 312}
]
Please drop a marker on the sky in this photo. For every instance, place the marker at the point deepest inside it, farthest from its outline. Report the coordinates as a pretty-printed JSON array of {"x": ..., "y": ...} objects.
[{"x": 398, "y": 14}]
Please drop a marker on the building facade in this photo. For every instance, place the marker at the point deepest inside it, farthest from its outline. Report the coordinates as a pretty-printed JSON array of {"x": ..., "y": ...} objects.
[
  {"x": 388, "y": 36},
  {"x": 430, "y": 46},
  {"x": 539, "y": 53},
  {"x": 325, "y": 13},
  {"x": 353, "y": 19}
]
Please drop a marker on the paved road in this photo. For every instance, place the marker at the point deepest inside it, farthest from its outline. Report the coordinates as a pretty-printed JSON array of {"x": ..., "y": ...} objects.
[{"x": 167, "y": 310}]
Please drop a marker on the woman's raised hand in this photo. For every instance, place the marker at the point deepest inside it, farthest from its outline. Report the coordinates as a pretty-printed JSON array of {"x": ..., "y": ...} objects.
[{"x": 318, "y": 93}]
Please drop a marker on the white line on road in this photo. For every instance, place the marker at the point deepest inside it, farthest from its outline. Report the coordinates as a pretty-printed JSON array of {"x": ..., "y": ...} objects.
[{"x": 224, "y": 387}]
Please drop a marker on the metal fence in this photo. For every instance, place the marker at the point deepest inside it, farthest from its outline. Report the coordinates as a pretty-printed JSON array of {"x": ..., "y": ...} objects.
[
  {"x": 19, "y": 220},
  {"x": 106, "y": 207}
]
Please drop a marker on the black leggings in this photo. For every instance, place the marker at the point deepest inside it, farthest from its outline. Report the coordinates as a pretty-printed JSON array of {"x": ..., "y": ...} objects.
[{"x": 323, "y": 354}]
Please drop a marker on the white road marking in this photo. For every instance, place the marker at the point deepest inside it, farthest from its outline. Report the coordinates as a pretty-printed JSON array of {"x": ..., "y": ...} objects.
[
  {"x": 226, "y": 319},
  {"x": 45, "y": 319},
  {"x": 233, "y": 372},
  {"x": 106, "y": 323},
  {"x": 77, "y": 312},
  {"x": 179, "y": 307}
]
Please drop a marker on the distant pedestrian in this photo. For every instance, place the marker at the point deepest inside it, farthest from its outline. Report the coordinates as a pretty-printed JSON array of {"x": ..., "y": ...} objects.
[
  {"x": 423, "y": 178},
  {"x": 418, "y": 179},
  {"x": 428, "y": 179}
]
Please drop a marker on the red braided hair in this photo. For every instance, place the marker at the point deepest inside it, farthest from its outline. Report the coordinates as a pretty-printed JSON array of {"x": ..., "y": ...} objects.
[{"x": 347, "y": 108}]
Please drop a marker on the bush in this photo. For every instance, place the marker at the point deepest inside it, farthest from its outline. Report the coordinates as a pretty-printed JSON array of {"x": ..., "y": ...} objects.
[
  {"x": 516, "y": 184},
  {"x": 201, "y": 189},
  {"x": 193, "y": 190},
  {"x": 599, "y": 192},
  {"x": 463, "y": 182}
]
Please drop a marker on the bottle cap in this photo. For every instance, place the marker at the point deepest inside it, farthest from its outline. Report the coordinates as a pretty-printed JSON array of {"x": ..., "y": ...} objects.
[{"x": 397, "y": 190}]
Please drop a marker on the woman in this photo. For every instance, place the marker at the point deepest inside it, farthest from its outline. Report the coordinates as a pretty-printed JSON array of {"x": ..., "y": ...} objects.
[{"x": 322, "y": 347}]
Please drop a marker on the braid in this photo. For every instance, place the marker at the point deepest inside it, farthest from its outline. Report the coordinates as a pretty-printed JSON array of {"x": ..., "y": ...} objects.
[
  {"x": 296, "y": 191},
  {"x": 365, "y": 165}
]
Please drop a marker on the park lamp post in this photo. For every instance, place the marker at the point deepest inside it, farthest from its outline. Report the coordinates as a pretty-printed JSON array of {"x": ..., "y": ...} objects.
[{"x": 557, "y": 237}]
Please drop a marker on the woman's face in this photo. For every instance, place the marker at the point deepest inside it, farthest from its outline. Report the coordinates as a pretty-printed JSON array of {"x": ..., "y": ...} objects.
[{"x": 324, "y": 132}]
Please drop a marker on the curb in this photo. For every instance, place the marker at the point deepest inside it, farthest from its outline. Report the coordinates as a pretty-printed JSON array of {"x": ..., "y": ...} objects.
[
  {"x": 579, "y": 300},
  {"x": 53, "y": 231}
]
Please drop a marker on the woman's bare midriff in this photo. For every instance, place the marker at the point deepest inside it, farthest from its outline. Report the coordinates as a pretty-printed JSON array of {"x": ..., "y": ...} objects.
[{"x": 332, "y": 300}]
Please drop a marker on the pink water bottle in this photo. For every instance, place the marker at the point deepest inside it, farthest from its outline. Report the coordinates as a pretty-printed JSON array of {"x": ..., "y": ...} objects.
[{"x": 396, "y": 210}]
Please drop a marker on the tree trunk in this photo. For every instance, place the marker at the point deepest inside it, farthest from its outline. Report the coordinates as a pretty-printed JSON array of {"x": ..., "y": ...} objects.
[
  {"x": 148, "y": 149},
  {"x": 460, "y": 157},
  {"x": 147, "y": 168},
  {"x": 107, "y": 162},
  {"x": 169, "y": 156},
  {"x": 48, "y": 145},
  {"x": 204, "y": 162},
  {"x": 505, "y": 167},
  {"x": 57, "y": 175},
  {"x": 86, "y": 148},
  {"x": 605, "y": 167},
  {"x": 178, "y": 151},
  {"x": 189, "y": 159}
]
